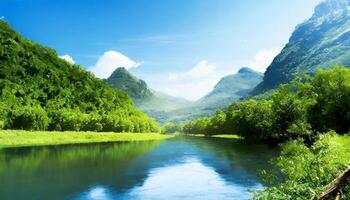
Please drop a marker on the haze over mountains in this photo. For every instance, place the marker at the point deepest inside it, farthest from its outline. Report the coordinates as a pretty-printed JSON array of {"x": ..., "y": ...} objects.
[
  {"x": 167, "y": 108},
  {"x": 144, "y": 97},
  {"x": 231, "y": 88},
  {"x": 321, "y": 42}
]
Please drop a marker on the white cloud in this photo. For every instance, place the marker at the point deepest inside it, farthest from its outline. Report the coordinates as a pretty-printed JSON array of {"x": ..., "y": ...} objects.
[
  {"x": 110, "y": 61},
  {"x": 192, "y": 84},
  {"x": 202, "y": 69},
  {"x": 68, "y": 58},
  {"x": 263, "y": 59}
]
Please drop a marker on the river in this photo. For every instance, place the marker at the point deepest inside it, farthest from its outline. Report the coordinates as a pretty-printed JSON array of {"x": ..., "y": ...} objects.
[{"x": 179, "y": 168}]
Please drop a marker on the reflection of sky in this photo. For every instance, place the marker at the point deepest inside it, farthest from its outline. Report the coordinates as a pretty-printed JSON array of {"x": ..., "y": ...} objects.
[
  {"x": 185, "y": 169},
  {"x": 190, "y": 179}
]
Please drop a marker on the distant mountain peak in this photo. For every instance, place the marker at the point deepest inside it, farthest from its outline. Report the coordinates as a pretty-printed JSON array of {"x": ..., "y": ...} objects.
[
  {"x": 123, "y": 80},
  {"x": 246, "y": 70},
  {"x": 331, "y": 6},
  {"x": 321, "y": 42},
  {"x": 120, "y": 70},
  {"x": 144, "y": 98},
  {"x": 231, "y": 88}
]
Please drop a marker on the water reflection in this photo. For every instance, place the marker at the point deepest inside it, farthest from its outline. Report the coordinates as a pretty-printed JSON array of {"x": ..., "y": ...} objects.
[
  {"x": 188, "y": 180},
  {"x": 182, "y": 168}
]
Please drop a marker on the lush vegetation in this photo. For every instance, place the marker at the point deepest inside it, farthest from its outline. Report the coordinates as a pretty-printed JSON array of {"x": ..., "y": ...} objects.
[
  {"x": 123, "y": 80},
  {"x": 300, "y": 109},
  {"x": 308, "y": 170},
  {"x": 14, "y": 138},
  {"x": 40, "y": 91},
  {"x": 298, "y": 113}
]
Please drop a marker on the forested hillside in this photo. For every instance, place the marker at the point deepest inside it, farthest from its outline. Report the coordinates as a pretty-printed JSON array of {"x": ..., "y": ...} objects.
[
  {"x": 40, "y": 91},
  {"x": 302, "y": 109},
  {"x": 310, "y": 116},
  {"x": 122, "y": 80},
  {"x": 318, "y": 43},
  {"x": 154, "y": 103}
]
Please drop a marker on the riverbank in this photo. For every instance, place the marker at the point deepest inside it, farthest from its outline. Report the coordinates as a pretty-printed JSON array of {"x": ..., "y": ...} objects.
[
  {"x": 18, "y": 138},
  {"x": 214, "y": 136},
  {"x": 307, "y": 171}
]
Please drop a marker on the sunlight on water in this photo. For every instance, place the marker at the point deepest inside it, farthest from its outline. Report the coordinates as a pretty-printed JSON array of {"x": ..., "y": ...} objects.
[
  {"x": 188, "y": 180},
  {"x": 182, "y": 168},
  {"x": 98, "y": 193}
]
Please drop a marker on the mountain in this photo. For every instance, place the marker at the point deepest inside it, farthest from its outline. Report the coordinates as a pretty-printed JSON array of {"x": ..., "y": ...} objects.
[
  {"x": 123, "y": 80},
  {"x": 231, "y": 88},
  {"x": 321, "y": 42},
  {"x": 40, "y": 91},
  {"x": 144, "y": 98}
]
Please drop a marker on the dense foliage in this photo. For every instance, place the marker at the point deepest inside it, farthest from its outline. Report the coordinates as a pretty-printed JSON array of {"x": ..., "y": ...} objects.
[
  {"x": 170, "y": 128},
  {"x": 40, "y": 91},
  {"x": 300, "y": 109},
  {"x": 308, "y": 170},
  {"x": 123, "y": 80}
]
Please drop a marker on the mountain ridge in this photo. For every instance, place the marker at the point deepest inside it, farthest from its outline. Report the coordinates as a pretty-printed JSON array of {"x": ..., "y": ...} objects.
[
  {"x": 231, "y": 87},
  {"x": 321, "y": 42}
]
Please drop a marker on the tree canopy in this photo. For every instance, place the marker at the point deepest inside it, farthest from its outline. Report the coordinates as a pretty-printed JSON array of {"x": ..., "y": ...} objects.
[{"x": 40, "y": 91}]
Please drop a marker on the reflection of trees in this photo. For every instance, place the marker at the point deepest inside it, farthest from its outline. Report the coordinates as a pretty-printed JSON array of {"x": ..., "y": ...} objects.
[
  {"x": 244, "y": 160},
  {"x": 60, "y": 172},
  {"x": 49, "y": 172}
]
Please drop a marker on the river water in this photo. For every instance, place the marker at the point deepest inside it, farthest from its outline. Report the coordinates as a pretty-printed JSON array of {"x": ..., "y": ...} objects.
[{"x": 180, "y": 168}]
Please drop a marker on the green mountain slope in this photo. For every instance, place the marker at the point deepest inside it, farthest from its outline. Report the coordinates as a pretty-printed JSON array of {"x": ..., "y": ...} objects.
[
  {"x": 231, "y": 88},
  {"x": 144, "y": 98},
  {"x": 321, "y": 42},
  {"x": 123, "y": 80},
  {"x": 40, "y": 91}
]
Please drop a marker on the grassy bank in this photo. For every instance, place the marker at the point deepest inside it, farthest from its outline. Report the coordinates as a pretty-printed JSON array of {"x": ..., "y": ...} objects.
[
  {"x": 308, "y": 170},
  {"x": 16, "y": 138}
]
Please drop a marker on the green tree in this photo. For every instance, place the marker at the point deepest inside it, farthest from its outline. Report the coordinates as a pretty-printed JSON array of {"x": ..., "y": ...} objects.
[{"x": 332, "y": 110}]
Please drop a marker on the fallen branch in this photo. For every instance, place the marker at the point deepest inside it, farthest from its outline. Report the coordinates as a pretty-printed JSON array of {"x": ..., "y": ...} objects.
[{"x": 335, "y": 188}]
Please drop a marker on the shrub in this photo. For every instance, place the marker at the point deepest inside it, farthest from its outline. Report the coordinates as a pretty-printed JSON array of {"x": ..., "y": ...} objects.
[
  {"x": 67, "y": 119},
  {"x": 28, "y": 118}
]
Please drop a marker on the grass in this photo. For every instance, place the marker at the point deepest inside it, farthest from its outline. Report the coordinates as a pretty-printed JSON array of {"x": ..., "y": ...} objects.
[
  {"x": 17, "y": 138},
  {"x": 341, "y": 147}
]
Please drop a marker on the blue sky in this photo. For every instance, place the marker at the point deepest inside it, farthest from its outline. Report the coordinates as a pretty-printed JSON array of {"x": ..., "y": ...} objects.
[{"x": 181, "y": 47}]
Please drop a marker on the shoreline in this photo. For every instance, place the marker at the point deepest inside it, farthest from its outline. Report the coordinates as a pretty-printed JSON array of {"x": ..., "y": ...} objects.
[{"x": 21, "y": 138}]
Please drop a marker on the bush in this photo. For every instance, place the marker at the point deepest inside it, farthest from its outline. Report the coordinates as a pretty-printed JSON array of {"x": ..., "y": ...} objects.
[
  {"x": 92, "y": 122},
  {"x": 252, "y": 119},
  {"x": 307, "y": 170},
  {"x": 332, "y": 110},
  {"x": 67, "y": 120},
  {"x": 171, "y": 128},
  {"x": 28, "y": 118}
]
